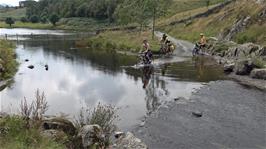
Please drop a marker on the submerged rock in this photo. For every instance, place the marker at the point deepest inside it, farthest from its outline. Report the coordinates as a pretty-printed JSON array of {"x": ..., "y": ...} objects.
[
  {"x": 46, "y": 67},
  {"x": 197, "y": 114},
  {"x": 30, "y": 66},
  {"x": 258, "y": 74}
]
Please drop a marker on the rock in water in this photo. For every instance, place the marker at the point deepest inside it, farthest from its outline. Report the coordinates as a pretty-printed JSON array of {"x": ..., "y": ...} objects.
[
  {"x": 197, "y": 114},
  {"x": 30, "y": 66},
  {"x": 258, "y": 74},
  {"x": 129, "y": 141},
  {"x": 46, "y": 67}
]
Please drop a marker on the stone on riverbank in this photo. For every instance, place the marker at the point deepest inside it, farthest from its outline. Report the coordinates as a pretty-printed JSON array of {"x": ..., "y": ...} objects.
[
  {"x": 59, "y": 124},
  {"x": 243, "y": 67},
  {"x": 228, "y": 68},
  {"x": 90, "y": 134},
  {"x": 258, "y": 74},
  {"x": 129, "y": 141}
]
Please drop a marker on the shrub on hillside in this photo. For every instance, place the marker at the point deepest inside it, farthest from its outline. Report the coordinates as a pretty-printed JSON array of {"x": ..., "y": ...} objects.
[{"x": 34, "y": 19}]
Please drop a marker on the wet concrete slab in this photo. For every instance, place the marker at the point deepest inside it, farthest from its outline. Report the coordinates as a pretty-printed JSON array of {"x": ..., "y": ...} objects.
[{"x": 233, "y": 116}]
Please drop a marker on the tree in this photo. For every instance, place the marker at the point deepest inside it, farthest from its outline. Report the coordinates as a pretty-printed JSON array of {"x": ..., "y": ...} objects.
[
  {"x": 82, "y": 10},
  {"x": 54, "y": 18},
  {"x": 141, "y": 11},
  {"x": 207, "y": 3},
  {"x": 43, "y": 19},
  {"x": 34, "y": 19},
  {"x": 23, "y": 20},
  {"x": 10, "y": 21}
]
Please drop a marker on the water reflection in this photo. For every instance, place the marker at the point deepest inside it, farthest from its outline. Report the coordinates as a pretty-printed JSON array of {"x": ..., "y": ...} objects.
[{"x": 79, "y": 77}]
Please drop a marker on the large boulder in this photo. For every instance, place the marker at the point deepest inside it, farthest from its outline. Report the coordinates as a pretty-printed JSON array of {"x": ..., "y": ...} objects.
[
  {"x": 129, "y": 141},
  {"x": 59, "y": 124},
  {"x": 258, "y": 74},
  {"x": 90, "y": 134},
  {"x": 243, "y": 67}
]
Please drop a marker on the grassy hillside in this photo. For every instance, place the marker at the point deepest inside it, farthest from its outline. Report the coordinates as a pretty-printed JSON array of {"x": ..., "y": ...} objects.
[
  {"x": 186, "y": 5},
  {"x": 221, "y": 22},
  {"x": 121, "y": 40},
  {"x": 12, "y": 12}
]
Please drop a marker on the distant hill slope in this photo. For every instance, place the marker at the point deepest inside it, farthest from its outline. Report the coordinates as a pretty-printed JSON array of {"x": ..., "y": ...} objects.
[
  {"x": 241, "y": 21},
  {"x": 15, "y": 13}
]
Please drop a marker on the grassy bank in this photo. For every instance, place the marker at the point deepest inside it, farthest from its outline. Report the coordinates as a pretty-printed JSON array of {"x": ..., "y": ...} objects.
[
  {"x": 19, "y": 24},
  {"x": 121, "y": 40},
  {"x": 77, "y": 24},
  {"x": 8, "y": 64},
  {"x": 16, "y": 135}
]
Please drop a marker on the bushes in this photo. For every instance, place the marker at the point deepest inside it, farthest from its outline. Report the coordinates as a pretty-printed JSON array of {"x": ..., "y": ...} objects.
[
  {"x": 15, "y": 135},
  {"x": 102, "y": 115},
  {"x": 34, "y": 19},
  {"x": 7, "y": 60}
]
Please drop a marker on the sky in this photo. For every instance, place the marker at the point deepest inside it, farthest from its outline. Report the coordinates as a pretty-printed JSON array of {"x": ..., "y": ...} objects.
[{"x": 10, "y": 2}]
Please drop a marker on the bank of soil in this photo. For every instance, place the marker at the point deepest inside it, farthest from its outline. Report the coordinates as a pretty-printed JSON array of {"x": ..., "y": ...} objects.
[{"x": 222, "y": 114}]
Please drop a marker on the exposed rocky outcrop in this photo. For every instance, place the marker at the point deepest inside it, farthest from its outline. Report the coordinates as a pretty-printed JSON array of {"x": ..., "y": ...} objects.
[
  {"x": 238, "y": 26},
  {"x": 244, "y": 50}
]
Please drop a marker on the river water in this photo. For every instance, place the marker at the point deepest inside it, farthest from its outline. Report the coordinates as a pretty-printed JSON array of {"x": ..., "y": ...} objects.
[{"x": 78, "y": 78}]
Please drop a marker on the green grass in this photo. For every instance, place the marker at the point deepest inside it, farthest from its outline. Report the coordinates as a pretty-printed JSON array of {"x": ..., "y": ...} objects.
[
  {"x": 255, "y": 33},
  {"x": 19, "y": 24},
  {"x": 79, "y": 24},
  {"x": 82, "y": 24},
  {"x": 7, "y": 59},
  {"x": 15, "y": 135},
  {"x": 17, "y": 14},
  {"x": 122, "y": 40},
  {"x": 186, "y": 5}
]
